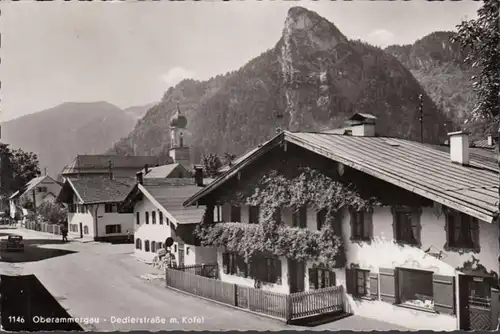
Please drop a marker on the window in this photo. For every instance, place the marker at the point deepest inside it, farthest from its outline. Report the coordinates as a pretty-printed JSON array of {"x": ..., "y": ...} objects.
[
  {"x": 253, "y": 214},
  {"x": 159, "y": 245},
  {"x": 85, "y": 230},
  {"x": 137, "y": 218},
  {"x": 320, "y": 278},
  {"x": 361, "y": 223},
  {"x": 71, "y": 208},
  {"x": 235, "y": 213},
  {"x": 160, "y": 217},
  {"x": 234, "y": 264},
  {"x": 42, "y": 189},
  {"x": 277, "y": 215},
  {"x": 406, "y": 225},
  {"x": 266, "y": 269},
  {"x": 153, "y": 246},
  {"x": 321, "y": 218},
  {"x": 175, "y": 248},
  {"x": 299, "y": 217},
  {"x": 153, "y": 217},
  {"x": 362, "y": 278},
  {"x": 187, "y": 250},
  {"x": 147, "y": 217},
  {"x": 146, "y": 246},
  {"x": 138, "y": 243},
  {"x": 110, "y": 207},
  {"x": 415, "y": 288},
  {"x": 113, "y": 229},
  {"x": 462, "y": 230}
]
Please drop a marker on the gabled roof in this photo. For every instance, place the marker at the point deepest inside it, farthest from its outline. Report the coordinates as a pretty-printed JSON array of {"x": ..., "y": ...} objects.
[
  {"x": 86, "y": 162},
  {"x": 242, "y": 157},
  {"x": 15, "y": 195},
  {"x": 413, "y": 166},
  {"x": 94, "y": 190},
  {"x": 168, "y": 194},
  {"x": 483, "y": 144},
  {"x": 31, "y": 185},
  {"x": 162, "y": 171}
]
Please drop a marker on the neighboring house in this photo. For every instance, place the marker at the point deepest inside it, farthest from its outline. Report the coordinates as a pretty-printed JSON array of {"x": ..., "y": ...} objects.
[
  {"x": 175, "y": 170},
  {"x": 38, "y": 190},
  {"x": 93, "y": 208},
  {"x": 159, "y": 214},
  {"x": 489, "y": 143},
  {"x": 120, "y": 167},
  {"x": 427, "y": 257}
]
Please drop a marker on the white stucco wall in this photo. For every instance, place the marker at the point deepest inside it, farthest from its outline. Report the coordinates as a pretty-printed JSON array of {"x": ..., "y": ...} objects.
[
  {"x": 52, "y": 187},
  {"x": 383, "y": 253},
  {"x": 158, "y": 233}
]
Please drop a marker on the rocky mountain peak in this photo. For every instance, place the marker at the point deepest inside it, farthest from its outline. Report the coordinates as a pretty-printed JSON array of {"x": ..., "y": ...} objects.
[{"x": 310, "y": 29}]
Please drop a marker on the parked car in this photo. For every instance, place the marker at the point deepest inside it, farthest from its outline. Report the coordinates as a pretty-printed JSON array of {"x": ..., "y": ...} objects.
[{"x": 14, "y": 243}]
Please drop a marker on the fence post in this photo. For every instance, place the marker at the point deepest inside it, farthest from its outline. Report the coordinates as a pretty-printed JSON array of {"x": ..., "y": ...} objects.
[
  {"x": 289, "y": 308},
  {"x": 248, "y": 297},
  {"x": 235, "y": 295},
  {"x": 166, "y": 276}
]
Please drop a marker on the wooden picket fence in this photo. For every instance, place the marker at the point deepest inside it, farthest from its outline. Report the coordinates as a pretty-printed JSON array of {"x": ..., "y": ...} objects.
[
  {"x": 282, "y": 306},
  {"x": 43, "y": 227}
]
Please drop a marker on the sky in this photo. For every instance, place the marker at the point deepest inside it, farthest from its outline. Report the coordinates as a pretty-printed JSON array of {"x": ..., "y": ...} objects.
[{"x": 130, "y": 52}]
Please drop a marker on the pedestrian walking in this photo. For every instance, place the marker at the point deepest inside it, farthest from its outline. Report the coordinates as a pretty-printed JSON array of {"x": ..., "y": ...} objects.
[
  {"x": 129, "y": 240},
  {"x": 64, "y": 232}
]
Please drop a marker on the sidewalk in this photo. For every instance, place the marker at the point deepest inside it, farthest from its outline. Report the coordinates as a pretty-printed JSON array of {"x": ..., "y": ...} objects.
[{"x": 48, "y": 235}]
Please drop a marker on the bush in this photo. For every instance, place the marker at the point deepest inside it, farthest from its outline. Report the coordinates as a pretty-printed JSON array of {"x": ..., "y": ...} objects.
[{"x": 52, "y": 213}]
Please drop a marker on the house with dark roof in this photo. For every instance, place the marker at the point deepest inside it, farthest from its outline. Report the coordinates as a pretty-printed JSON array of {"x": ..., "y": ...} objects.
[
  {"x": 86, "y": 165},
  {"x": 37, "y": 190},
  {"x": 94, "y": 208},
  {"x": 158, "y": 214},
  {"x": 423, "y": 253},
  {"x": 173, "y": 170}
]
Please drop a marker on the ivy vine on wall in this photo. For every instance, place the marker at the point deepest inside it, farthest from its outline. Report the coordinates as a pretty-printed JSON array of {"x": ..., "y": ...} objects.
[{"x": 275, "y": 191}]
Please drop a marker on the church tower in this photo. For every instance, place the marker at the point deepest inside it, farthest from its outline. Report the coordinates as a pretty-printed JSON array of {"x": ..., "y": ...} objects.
[{"x": 179, "y": 150}]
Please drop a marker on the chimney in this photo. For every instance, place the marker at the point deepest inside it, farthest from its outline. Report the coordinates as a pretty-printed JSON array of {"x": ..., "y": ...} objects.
[
  {"x": 490, "y": 140},
  {"x": 139, "y": 177},
  {"x": 362, "y": 125},
  {"x": 198, "y": 175},
  {"x": 146, "y": 169},
  {"x": 459, "y": 147}
]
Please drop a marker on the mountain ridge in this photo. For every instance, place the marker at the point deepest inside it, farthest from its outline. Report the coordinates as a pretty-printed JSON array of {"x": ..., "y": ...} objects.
[{"x": 313, "y": 79}]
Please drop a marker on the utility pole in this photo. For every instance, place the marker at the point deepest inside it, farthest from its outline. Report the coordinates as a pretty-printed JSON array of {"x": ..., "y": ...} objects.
[
  {"x": 33, "y": 192},
  {"x": 421, "y": 117}
]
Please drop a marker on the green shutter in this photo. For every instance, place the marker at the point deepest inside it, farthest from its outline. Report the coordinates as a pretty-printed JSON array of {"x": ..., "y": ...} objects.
[
  {"x": 368, "y": 221},
  {"x": 444, "y": 293},
  {"x": 387, "y": 277},
  {"x": 475, "y": 234},
  {"x": 374, "y": 285}
]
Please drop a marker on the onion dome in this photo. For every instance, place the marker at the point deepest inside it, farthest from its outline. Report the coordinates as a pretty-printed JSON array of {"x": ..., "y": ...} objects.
[{"x": 178, "y": 120}]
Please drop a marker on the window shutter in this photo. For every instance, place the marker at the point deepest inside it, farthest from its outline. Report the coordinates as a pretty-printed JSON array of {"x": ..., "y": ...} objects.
[
  {"x": 333, "y": 279},
  {"x": 374, "y": 285},
  {"x": 350, "y": 281},
  {"x": 225, "y": 262},
  {"x": 415, "y": 223},
  {"x": 474, "y": 230},
  {"x": 444, "y": 293},
  {"x": 368, "y": 221},
  {"x": 313, "y": 278},
  {"x": 387, "y": 279}
]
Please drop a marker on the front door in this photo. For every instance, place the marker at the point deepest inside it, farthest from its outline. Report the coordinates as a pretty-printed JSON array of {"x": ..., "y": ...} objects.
[
  {"x": 180, "y": 249},
  {"x": 81, "y": 230},
  {"x": 296, "y": 274},
  {"x": 475, "y": 303}
]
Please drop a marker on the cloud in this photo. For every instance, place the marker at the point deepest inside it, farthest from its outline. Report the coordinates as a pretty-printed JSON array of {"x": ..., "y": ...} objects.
[
  {"x": 381, "y": 37},
  {"x": 176, "y": 75}
]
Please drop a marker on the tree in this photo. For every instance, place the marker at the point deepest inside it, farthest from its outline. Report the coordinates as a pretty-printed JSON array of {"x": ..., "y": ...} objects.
[
  {"x": 53, "y": 213},
  {"x": 481, "y": 38},
  {"x": 211, "y": 164},
  {"x": 18, "y": 168},
  {"x": 229, "y": 158}
]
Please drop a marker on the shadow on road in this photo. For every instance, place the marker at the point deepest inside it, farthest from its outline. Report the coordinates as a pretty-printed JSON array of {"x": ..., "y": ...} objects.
[
  {"x": 33, "y": 253},
  {"x": 25, "y": 301}
]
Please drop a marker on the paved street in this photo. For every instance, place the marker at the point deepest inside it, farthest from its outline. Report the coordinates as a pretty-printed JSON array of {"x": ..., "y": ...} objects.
[{"x": 104, "y": 281}]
